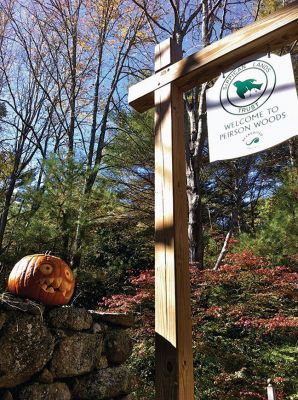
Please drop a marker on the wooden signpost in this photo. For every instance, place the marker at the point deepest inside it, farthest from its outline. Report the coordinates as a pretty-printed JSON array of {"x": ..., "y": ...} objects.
[{"x": 164, "y": 91}]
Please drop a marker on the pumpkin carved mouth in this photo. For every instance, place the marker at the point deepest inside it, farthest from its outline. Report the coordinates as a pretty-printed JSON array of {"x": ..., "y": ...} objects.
[{"x": 52, "y": 285}]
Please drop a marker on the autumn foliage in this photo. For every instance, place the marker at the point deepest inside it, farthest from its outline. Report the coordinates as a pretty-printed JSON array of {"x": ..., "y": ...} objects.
[{"x": 244, "y": 328}]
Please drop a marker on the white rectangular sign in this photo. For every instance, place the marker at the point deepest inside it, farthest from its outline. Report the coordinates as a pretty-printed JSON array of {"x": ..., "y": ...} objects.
[{"x": 252, "y": 107}]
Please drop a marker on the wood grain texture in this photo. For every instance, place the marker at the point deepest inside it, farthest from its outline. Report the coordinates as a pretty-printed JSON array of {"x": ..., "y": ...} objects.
[
  {"x": 165, "y": 308},
  {"x": 166, "y": 53},
  {"x": 274, "y": 30},
  {"x": 174, "y": 363}
]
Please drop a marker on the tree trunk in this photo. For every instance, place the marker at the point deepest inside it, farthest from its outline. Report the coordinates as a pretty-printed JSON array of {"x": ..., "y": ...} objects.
[
  {"x": 195, "y": 229},
  {"x": 224, "y": 248},
  {"x": 65, "y": 236},
  {"x": 196, "y": 112},
  {"x": 73, "y": 90},
  {"x": 5, "y": 211},
  {"x": 291, "y": 144}
]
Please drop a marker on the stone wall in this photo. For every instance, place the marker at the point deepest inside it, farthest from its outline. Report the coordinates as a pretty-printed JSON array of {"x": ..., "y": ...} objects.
[{"x": 62, "y": 353}]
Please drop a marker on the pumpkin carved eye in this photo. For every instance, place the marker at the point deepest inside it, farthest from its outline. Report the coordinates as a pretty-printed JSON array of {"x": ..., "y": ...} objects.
[
  {"x": 46, "y": 269},
  {"x": 68, "y": 274}
]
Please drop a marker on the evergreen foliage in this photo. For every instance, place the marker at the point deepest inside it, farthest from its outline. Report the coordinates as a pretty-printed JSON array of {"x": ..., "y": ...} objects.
[{"x": 278, "y": 224}]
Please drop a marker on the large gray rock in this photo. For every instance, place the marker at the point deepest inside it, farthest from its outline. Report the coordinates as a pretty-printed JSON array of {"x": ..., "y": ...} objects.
[
  {"x": 103, "y": 363},
  {"x": 2, "y": 319},
  {"x": 26, "y": 346},
  {"x": 76, "y": 355},
  {"x": 45, "y": 376},
  {"x": 125, "y": 320},
  {"x": 76, "y": 319},
  {"x": 118, "y": 347},
  {"x": 11, "y": 302},
  {"x": 104, "y": 384},
  {"x": 6, "y": 395},
  {"x": 53, "y": 391}
]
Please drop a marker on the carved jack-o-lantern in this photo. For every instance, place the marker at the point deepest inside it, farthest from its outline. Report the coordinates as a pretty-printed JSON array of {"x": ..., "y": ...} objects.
[{"x": 42, "y": 277}]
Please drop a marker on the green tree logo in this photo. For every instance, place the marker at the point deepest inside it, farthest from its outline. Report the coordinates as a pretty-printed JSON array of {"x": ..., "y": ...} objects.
[{"x": 245, "y": 86}]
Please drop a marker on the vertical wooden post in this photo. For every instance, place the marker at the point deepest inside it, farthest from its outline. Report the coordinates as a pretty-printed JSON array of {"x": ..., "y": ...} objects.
[
  {"x": 270, "y": 391},
  {"x": 174, "y": 361}
]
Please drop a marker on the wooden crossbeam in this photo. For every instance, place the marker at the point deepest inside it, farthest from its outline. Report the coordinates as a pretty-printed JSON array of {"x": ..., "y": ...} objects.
[{"x": 272, "y": 31}]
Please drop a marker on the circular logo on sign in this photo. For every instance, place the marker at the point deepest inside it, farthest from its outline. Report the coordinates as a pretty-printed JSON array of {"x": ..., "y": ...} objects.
[{"x": 247, "y": 87}]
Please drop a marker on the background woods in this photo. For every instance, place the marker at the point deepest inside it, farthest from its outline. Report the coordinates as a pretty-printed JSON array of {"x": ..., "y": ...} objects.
[
  {"x": 65, "y": 68},
  {"x": 77, "y": 178},
  {"x": 63, "y": 71}
]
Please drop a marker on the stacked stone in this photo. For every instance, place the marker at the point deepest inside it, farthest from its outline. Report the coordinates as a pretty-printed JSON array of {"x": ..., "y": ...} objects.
[{"x": 62, "y": 353}]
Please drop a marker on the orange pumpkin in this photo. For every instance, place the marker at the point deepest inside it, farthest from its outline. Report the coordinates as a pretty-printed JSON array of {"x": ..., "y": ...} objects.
[{"x": 42, "y": 277}]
